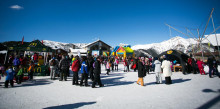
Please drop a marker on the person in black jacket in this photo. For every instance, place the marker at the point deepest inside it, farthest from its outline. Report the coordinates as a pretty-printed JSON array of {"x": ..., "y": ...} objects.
[
  {"x": 97, "y": 72},
  {"x": 213, "y": 66},
  {"x": 90, "y": 67},
  {"x": 64, "y": 66},
  {"x": 141, "y": 71}
]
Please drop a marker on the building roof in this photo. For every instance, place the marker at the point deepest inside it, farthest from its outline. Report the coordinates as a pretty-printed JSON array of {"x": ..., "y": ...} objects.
[{"x": 95, "y": 42}]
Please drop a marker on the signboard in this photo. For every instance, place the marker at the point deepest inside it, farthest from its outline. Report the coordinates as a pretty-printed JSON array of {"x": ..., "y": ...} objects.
[
  {"x": 169, "y": 52},
  {"x": 11, "y": 48},
  {"x": 33, "y": 45},
  {"x": 44, "y": 49},
  {"x": 28, "y": 48},
  {"x": 95, "y": 52}
]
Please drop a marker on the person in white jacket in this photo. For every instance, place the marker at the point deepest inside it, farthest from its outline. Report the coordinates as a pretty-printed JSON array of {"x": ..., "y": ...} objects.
[
  {"x": 166, "y": 65},
  {"x": 157, "y": 71}
]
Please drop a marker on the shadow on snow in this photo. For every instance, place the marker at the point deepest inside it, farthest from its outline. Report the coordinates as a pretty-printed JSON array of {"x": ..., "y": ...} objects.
[
  {"x": 115, "y": 82},
  {"x": 70, "y": 106},
  {"x": 213, "y": 101},
  {"x": 175, "y": 81},
  {"x": 35, "y": 82}
]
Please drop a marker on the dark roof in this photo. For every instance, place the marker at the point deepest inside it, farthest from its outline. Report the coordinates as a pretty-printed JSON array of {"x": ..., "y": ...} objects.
[
  {"x": 95, "y": 42},
  {"x": 183, "y": 57},
  {"x": 27, "y": 46}
]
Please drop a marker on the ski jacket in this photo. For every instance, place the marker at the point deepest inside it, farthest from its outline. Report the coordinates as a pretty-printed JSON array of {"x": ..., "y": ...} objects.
[
  {"x": 16, "y": 62},
  {"x": 97, "y": 69},
  {"x": 125, "y": 62},
  {"x": 116, "y": 62},
  {"x": 20, "y": 72},
  {"x": 157, "y": 66},
  {"x": 56, "y": 63},
  {"x": 190, "y": 61},
  {"x": 75, "y": 66},
  {"x": 10, "y": 74},
  {"x": 141, "y": 70},
  {"x": 108, "y": 65},
  {"x": 84, "y": 67},
  {"x": 64, "y": 64},
  {"x": 200, "y": 64},
  {"x": 166, "y": 68}
]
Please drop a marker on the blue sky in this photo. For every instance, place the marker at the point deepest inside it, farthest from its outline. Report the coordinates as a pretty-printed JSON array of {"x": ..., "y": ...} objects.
[{"x": 113, "y": 21}]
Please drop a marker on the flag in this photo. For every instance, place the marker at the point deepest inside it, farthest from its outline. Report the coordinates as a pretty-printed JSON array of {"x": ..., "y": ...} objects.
[
  {"x": 22, "y": 40},
  {"x": 42, "y": 42}
]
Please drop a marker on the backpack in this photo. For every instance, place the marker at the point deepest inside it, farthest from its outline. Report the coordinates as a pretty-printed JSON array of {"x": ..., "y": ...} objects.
[{"x": 53, "y": 63}]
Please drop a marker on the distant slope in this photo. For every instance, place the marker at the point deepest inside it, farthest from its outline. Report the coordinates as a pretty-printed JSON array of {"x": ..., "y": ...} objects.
[{"x": 61, "y": 45}]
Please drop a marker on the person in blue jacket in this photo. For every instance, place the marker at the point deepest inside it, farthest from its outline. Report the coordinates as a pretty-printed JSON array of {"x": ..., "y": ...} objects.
[
  {"x": 9, "y": 77},
  {"x": 84, "y": 71},
  {"x": 16, "y": 63}
]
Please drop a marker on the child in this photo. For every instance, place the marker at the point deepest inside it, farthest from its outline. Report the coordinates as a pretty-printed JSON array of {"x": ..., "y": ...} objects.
[
  {"x": 9, "y": 78},
  {"x": 108, "y": 67},
  {"x": 19, "y": 76},
  {"x": 31, "y": 70},
  {"x": 200, "y": 64}
]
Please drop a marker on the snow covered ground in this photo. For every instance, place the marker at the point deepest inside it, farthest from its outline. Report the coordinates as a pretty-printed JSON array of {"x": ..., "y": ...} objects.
[{"x": 121, "y": 91}]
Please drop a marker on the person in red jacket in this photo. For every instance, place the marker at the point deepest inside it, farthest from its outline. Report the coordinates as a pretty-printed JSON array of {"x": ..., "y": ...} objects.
[
  {"x": 35, "y": 57},
  {"x": 200, "y": 64},
  {"x": 75, "y": 68}
]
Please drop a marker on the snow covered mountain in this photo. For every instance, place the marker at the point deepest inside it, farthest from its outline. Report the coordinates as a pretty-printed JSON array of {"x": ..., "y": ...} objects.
[
  {"x": 177, "y": 43},
  {"x": 61, "y": 45}
]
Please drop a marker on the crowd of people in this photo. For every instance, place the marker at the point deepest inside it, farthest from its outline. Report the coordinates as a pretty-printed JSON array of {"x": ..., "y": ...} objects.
[
  {"x": 90, "y": 68},
  {"x": 164, "y": 66},
  {"x": 197, "y": 66}
]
